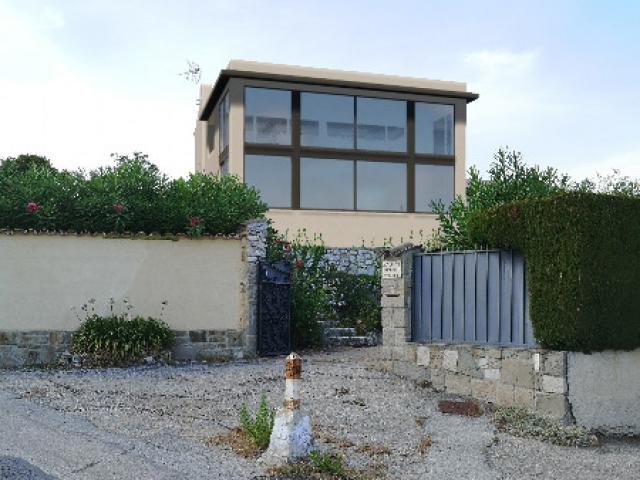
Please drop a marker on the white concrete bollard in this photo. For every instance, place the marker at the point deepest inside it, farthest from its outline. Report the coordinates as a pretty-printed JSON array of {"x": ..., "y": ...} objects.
[{"x": 291, "y": 437}]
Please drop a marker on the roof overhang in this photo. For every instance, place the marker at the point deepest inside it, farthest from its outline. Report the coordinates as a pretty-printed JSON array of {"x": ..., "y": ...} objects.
[{"x": 227, "y": 74}]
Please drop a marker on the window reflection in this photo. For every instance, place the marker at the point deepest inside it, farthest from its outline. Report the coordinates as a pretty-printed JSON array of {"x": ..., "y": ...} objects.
[{"x": 267, "y": 116}]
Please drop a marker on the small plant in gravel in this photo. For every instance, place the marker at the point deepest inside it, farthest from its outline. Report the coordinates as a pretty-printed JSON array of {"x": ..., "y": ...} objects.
[
  {"x": 258, "y": 428},
  {"x": 327, "y": 462},
  {"x": 519, "y": 422}
]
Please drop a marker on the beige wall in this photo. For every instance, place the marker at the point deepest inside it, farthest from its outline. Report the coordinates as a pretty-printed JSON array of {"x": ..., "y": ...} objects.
[
  {"x": 348, "y": 229},
  {"x": 44, "y": 277}
]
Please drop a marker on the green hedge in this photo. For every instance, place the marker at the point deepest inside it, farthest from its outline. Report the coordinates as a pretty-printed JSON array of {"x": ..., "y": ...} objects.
[
  {"x": 131, "y": 196},
  {"x": 582, "y": 253}
]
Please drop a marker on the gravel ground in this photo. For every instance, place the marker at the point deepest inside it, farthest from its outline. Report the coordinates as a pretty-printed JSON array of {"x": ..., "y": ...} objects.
[{"x": 371, "y": 417}]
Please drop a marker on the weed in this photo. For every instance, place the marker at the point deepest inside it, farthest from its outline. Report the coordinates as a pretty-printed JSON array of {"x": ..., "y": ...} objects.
[
  {"x": 258, "y": 428},
  {"x": 326, "y": 463},
  {"x": 521, "y": 423}
]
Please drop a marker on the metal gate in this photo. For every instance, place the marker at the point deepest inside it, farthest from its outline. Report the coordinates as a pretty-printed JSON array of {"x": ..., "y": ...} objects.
[
  {"x": 471, "y": 297},
  {"x": 274, "y": 312}
]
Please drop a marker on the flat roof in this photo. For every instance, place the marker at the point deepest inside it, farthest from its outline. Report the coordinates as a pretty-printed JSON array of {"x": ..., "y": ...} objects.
[{"x": 335, "y": 78}]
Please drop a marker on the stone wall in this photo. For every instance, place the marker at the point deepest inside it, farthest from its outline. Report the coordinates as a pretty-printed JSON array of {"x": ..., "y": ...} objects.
[{"x": 360, "y": 261}]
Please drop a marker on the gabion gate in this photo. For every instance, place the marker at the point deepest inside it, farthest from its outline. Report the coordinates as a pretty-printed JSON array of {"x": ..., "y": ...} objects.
[{"x": 274, "y": 308}]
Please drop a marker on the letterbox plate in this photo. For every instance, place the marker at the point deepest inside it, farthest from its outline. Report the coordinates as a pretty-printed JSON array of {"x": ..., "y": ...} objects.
[{"x": 392, "y": 268}]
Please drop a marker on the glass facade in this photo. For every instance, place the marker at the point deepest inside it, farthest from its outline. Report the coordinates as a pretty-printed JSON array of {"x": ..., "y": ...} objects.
[
  {"x": 326, "y": 183},
  {"x": 339, "y": 152},
  {"x": 271, "y": 175},
  {"x": 433, "y": 183},
  {"x": 326, "y": 120},
  {"x": 382, "y": 124},
  {"x": 434, "y": 128},
  {"x": 267, "y": 116},
  {"x": 382, "y": 186}
]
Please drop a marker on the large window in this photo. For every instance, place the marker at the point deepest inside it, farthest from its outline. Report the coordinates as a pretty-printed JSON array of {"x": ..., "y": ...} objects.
[
  {"x": 326, "y": 120},
  {"x": 271, "y": 175},
  {"x": 434, "y": 128},
  {"x": 224, "y": 123},
  {"x": 326, "y": 183},
  {"x": 341, "y": 152},
  {"x": 382, "y": 186},
  {"x": 267, "y": 116},
  {"x": 382, "y": 124},
  {"x": 433, "y": 183}
]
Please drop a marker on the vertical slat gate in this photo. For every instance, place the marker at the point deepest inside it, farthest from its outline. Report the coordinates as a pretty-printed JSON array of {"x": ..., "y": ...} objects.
[{"x": 472, "y": 297}]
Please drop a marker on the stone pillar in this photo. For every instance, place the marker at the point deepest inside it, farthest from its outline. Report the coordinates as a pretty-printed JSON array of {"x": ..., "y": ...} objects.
[
  {"x": 291, "y": 437},
  {"x": 396, "y": 307},
  {"x": 254, "y": 249}
]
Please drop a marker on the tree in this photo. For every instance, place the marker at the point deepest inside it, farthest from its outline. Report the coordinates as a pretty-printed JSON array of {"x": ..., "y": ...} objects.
[{"x": 510, "y": 179}]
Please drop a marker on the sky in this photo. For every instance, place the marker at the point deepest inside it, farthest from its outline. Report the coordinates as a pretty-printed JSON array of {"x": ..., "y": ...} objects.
[{"x": 558, "y": 80}]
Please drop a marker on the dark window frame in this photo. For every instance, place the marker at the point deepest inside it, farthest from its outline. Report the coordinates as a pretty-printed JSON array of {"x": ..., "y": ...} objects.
[{"x": 296, "y": 151}]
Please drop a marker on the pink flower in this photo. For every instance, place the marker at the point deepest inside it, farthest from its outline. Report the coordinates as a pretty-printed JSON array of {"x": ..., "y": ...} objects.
[
  {"x": 118, "y": 208},
  {"x": 195, "y": 221},
  {"x": 298, "y": 264},
  {"x": 32, "y": 207}
]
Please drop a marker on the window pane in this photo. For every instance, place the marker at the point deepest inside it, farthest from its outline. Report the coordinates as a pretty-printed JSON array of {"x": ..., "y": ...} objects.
[
  {"x": 267, "y": 116},
  {"x": 224, "y": 123},
  {"x": 326, "y": 183},
  {"x": 434, "y": 128},
  {"x": 326, "y": 120},
  {"x": 433, "y": 182},
  {"x": 272, "y": 176},
  {"x": 382, "y": 186},
  {"x": 382, "y": 124}
]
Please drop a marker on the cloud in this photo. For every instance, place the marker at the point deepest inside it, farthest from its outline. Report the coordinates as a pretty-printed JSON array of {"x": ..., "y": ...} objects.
[
  {"x": 53, "y": 107},
  {"x": 494, "y": 63}
]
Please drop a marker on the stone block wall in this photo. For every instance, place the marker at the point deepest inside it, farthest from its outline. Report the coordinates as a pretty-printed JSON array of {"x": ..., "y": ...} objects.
[
  {"x": 18, "y": 348},
  {"x": 532, "y": 378}
]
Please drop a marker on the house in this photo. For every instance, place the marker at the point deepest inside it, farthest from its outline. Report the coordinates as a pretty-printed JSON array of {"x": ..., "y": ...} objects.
[{"x": 357, "y": 157}]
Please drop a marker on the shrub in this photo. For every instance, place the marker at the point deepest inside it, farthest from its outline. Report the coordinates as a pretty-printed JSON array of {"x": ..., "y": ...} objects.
[
  {"x": 131, "y": 196},
  {"x": 519, "y": 422},
  {"x": 258, "y": 428},
  {"x": 357, "y": 300},
  {"x": 582, "y": 254},
  {"x": 116, "y": 340}
]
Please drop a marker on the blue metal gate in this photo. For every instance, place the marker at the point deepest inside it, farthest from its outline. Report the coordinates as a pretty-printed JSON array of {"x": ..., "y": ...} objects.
[{"x": 471, "y": 297}]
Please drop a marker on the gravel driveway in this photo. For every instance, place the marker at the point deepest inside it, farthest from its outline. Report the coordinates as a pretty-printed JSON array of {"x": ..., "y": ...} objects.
[{"x": 152, "y": 423}]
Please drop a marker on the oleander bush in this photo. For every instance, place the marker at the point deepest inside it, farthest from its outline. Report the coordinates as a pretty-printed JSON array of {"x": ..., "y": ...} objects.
[
  {"x": 582, "y": 254},
  {"x": 130, "y": 196}
]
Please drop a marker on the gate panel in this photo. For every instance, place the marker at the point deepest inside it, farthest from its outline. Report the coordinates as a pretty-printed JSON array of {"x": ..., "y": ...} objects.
[
  {"x": 476, "y": 297},
  {"x": 274, "y": 308}
]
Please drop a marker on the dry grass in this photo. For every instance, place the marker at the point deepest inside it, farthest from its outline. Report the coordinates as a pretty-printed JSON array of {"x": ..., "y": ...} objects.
[
  {"x": 420, "y": 421},
  {"x": 424, "y": 444},
  {"x": 239, "y": 442},
  {"x": 468, "y": 408}
]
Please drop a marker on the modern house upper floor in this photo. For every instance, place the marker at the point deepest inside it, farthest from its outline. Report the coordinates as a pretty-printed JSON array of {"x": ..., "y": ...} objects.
[{"x": 356, "y": 157}]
